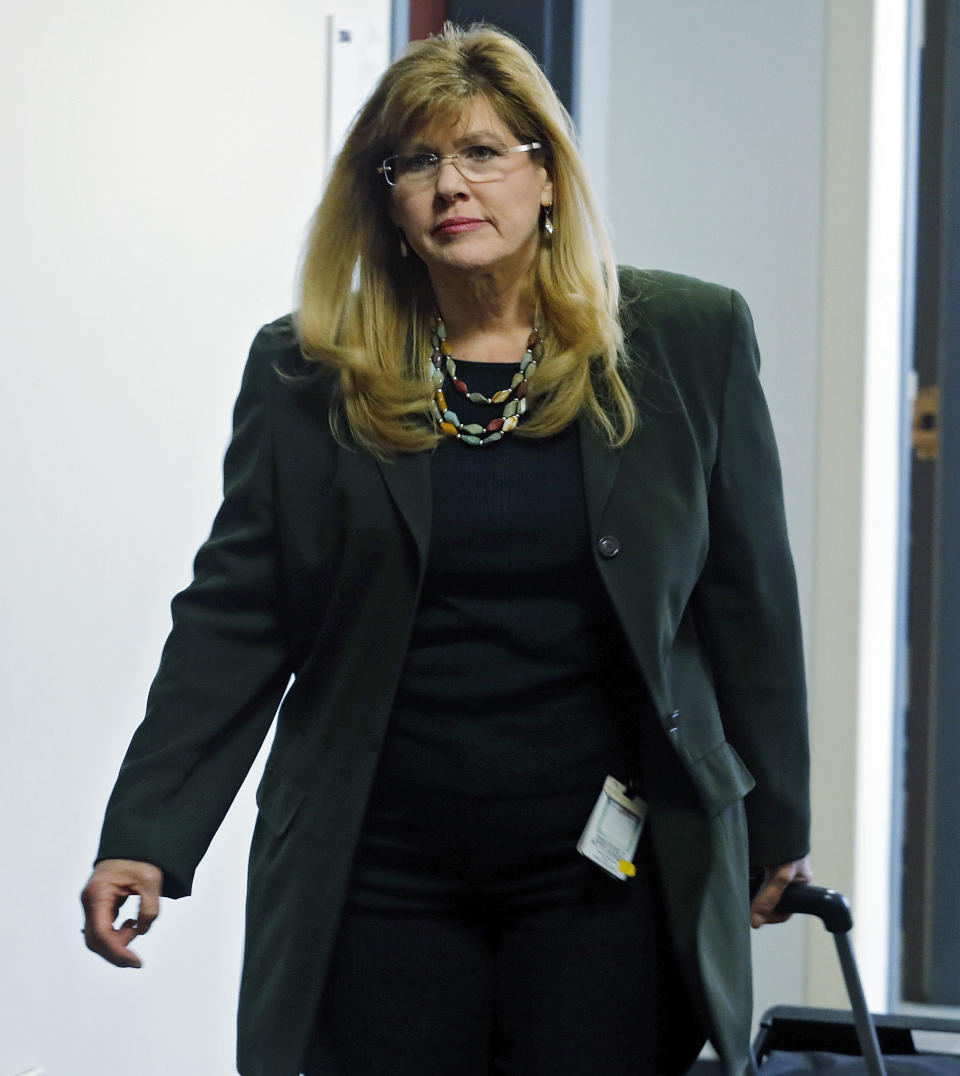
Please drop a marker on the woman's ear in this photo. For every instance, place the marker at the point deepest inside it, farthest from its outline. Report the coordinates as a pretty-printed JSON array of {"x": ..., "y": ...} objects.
[{"x": 546, "y": 195}]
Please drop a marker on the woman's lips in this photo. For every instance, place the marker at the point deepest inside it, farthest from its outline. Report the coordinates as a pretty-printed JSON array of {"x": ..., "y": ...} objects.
[{"x": 455, "y": 225}]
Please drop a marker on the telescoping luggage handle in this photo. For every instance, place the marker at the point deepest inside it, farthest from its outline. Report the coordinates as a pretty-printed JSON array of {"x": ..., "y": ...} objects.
[{"x": 832, "y": 908}]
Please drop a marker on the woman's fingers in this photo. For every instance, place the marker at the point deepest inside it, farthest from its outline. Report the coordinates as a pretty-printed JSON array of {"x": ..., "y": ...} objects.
[
  {"x": 112, "y": 881},
  {"x": 149, "y": 905},
  {"x": 775, "y": 881},
  {"x": 103, "y": 938}
]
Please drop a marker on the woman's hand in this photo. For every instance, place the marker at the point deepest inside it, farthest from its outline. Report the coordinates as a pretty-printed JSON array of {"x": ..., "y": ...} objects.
[
  {"x": 112, "y": 881},
  {"x": 775, "y": 881}
]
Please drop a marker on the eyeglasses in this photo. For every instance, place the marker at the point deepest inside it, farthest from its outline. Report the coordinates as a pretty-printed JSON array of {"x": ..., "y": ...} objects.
[{"x": 478, "y": 164}]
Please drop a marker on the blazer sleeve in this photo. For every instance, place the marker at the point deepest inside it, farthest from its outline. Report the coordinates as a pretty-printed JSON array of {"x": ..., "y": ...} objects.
[
  {"x": 747, "y": 609},
  {"x": 223, "y": 668}
]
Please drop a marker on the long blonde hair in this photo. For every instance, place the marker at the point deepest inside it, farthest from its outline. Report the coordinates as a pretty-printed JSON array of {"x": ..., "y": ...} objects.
[{"x": 363, "y": 307}]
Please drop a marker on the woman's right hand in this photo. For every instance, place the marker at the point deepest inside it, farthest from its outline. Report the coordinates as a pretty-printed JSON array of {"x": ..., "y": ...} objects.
[{"x": 112, "y": 881}]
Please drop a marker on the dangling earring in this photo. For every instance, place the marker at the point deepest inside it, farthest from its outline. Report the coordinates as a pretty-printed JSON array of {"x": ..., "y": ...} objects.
[
  {"x": 547, "y": 220},
  {"x": 403, "y": 244}
]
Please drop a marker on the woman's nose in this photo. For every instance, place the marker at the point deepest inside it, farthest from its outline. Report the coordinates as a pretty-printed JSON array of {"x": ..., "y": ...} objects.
[{"x": 449, "y": 181}]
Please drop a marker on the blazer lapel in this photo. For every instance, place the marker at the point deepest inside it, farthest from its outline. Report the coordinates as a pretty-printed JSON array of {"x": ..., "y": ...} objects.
[
  {"x": 633, "y": 594},
  {"x": 407, "y": 477},
  {"x": 600, "y": 465},
  {"x": 600, "y": 462}
]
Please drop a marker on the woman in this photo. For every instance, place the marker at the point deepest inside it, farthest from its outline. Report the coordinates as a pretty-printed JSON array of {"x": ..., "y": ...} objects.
[{"x": 513, "y": 522}]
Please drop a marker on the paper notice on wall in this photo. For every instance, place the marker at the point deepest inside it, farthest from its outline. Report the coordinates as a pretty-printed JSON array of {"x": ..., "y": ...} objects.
[{"x": 359, "y": 51}]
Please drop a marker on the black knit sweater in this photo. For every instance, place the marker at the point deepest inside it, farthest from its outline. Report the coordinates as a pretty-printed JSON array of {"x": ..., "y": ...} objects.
[{"x": 517, "y": 681}]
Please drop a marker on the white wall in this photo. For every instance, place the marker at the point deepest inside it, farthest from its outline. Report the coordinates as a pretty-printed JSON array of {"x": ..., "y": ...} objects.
[
  {"x": 761, "y": 143},
  {"x": 716, "y": 159},
  {"x": 160, "y": 164},
  {"x": 738, "y": 147}
]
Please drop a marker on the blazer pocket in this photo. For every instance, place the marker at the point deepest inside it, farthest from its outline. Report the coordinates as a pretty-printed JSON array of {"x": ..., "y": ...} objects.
[
  {"x": 721, "y": 778},
  {"x": 278, "y": 799}
]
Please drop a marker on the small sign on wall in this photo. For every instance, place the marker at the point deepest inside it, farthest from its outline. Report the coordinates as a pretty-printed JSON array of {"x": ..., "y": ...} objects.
[{"x": 359, "y": 51}]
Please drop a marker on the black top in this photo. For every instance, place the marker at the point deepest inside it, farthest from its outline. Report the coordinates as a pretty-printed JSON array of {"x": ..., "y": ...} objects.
[{"x": 517, "y": 680}]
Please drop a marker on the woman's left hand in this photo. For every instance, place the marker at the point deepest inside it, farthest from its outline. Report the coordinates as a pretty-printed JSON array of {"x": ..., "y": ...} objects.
[{"x": 775, "y": 881}]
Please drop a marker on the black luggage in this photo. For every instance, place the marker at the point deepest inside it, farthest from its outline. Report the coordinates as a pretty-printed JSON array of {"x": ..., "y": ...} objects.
[{"x": 792, "y": 1039}]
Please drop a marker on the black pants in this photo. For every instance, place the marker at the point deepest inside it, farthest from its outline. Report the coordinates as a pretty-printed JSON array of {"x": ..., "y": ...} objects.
[{"x": 477, "y": 941}]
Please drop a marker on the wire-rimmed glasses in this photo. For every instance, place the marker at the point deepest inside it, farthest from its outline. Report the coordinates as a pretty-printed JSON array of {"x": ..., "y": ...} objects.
[{"x": 477, "y": 164}]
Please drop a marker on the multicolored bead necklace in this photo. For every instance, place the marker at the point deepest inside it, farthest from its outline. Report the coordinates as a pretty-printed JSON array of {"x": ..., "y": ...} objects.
[{"x": 513, "y": 398}]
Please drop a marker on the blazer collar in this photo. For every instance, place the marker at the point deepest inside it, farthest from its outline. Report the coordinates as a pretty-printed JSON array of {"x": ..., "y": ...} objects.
[{"x": 407, "y": 478}]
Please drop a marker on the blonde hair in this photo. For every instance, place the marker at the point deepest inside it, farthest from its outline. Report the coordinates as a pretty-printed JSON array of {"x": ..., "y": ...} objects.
[{"x": 363, "y": 307}]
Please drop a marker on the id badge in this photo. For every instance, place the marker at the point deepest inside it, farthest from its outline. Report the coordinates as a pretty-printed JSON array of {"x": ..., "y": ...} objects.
[{"x": 612, "y": 832}]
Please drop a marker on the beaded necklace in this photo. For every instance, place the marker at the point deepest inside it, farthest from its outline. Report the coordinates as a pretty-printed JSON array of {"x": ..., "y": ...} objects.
[{"x": 513, "y": 398}]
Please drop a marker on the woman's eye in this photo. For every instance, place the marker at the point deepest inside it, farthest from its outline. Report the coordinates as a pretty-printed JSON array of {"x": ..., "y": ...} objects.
[
  {"x": 480, "y": 154},
  {"x": 417, "y": 163}
]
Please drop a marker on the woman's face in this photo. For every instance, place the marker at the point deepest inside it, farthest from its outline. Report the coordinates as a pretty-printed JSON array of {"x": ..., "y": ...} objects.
[{"x": 461, "y": 227}]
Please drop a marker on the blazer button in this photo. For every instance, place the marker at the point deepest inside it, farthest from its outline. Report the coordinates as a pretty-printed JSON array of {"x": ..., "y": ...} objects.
[
  {"x": 673, "y": 721},
  {"x": 609, "y": 546}
]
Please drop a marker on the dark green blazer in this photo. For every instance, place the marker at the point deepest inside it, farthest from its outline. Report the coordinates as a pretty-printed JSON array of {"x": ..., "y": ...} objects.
[{"x": 313, "y": 570}]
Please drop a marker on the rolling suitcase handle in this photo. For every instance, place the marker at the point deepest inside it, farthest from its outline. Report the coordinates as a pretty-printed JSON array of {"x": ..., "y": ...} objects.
[{"x": 832, "y": 908}]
